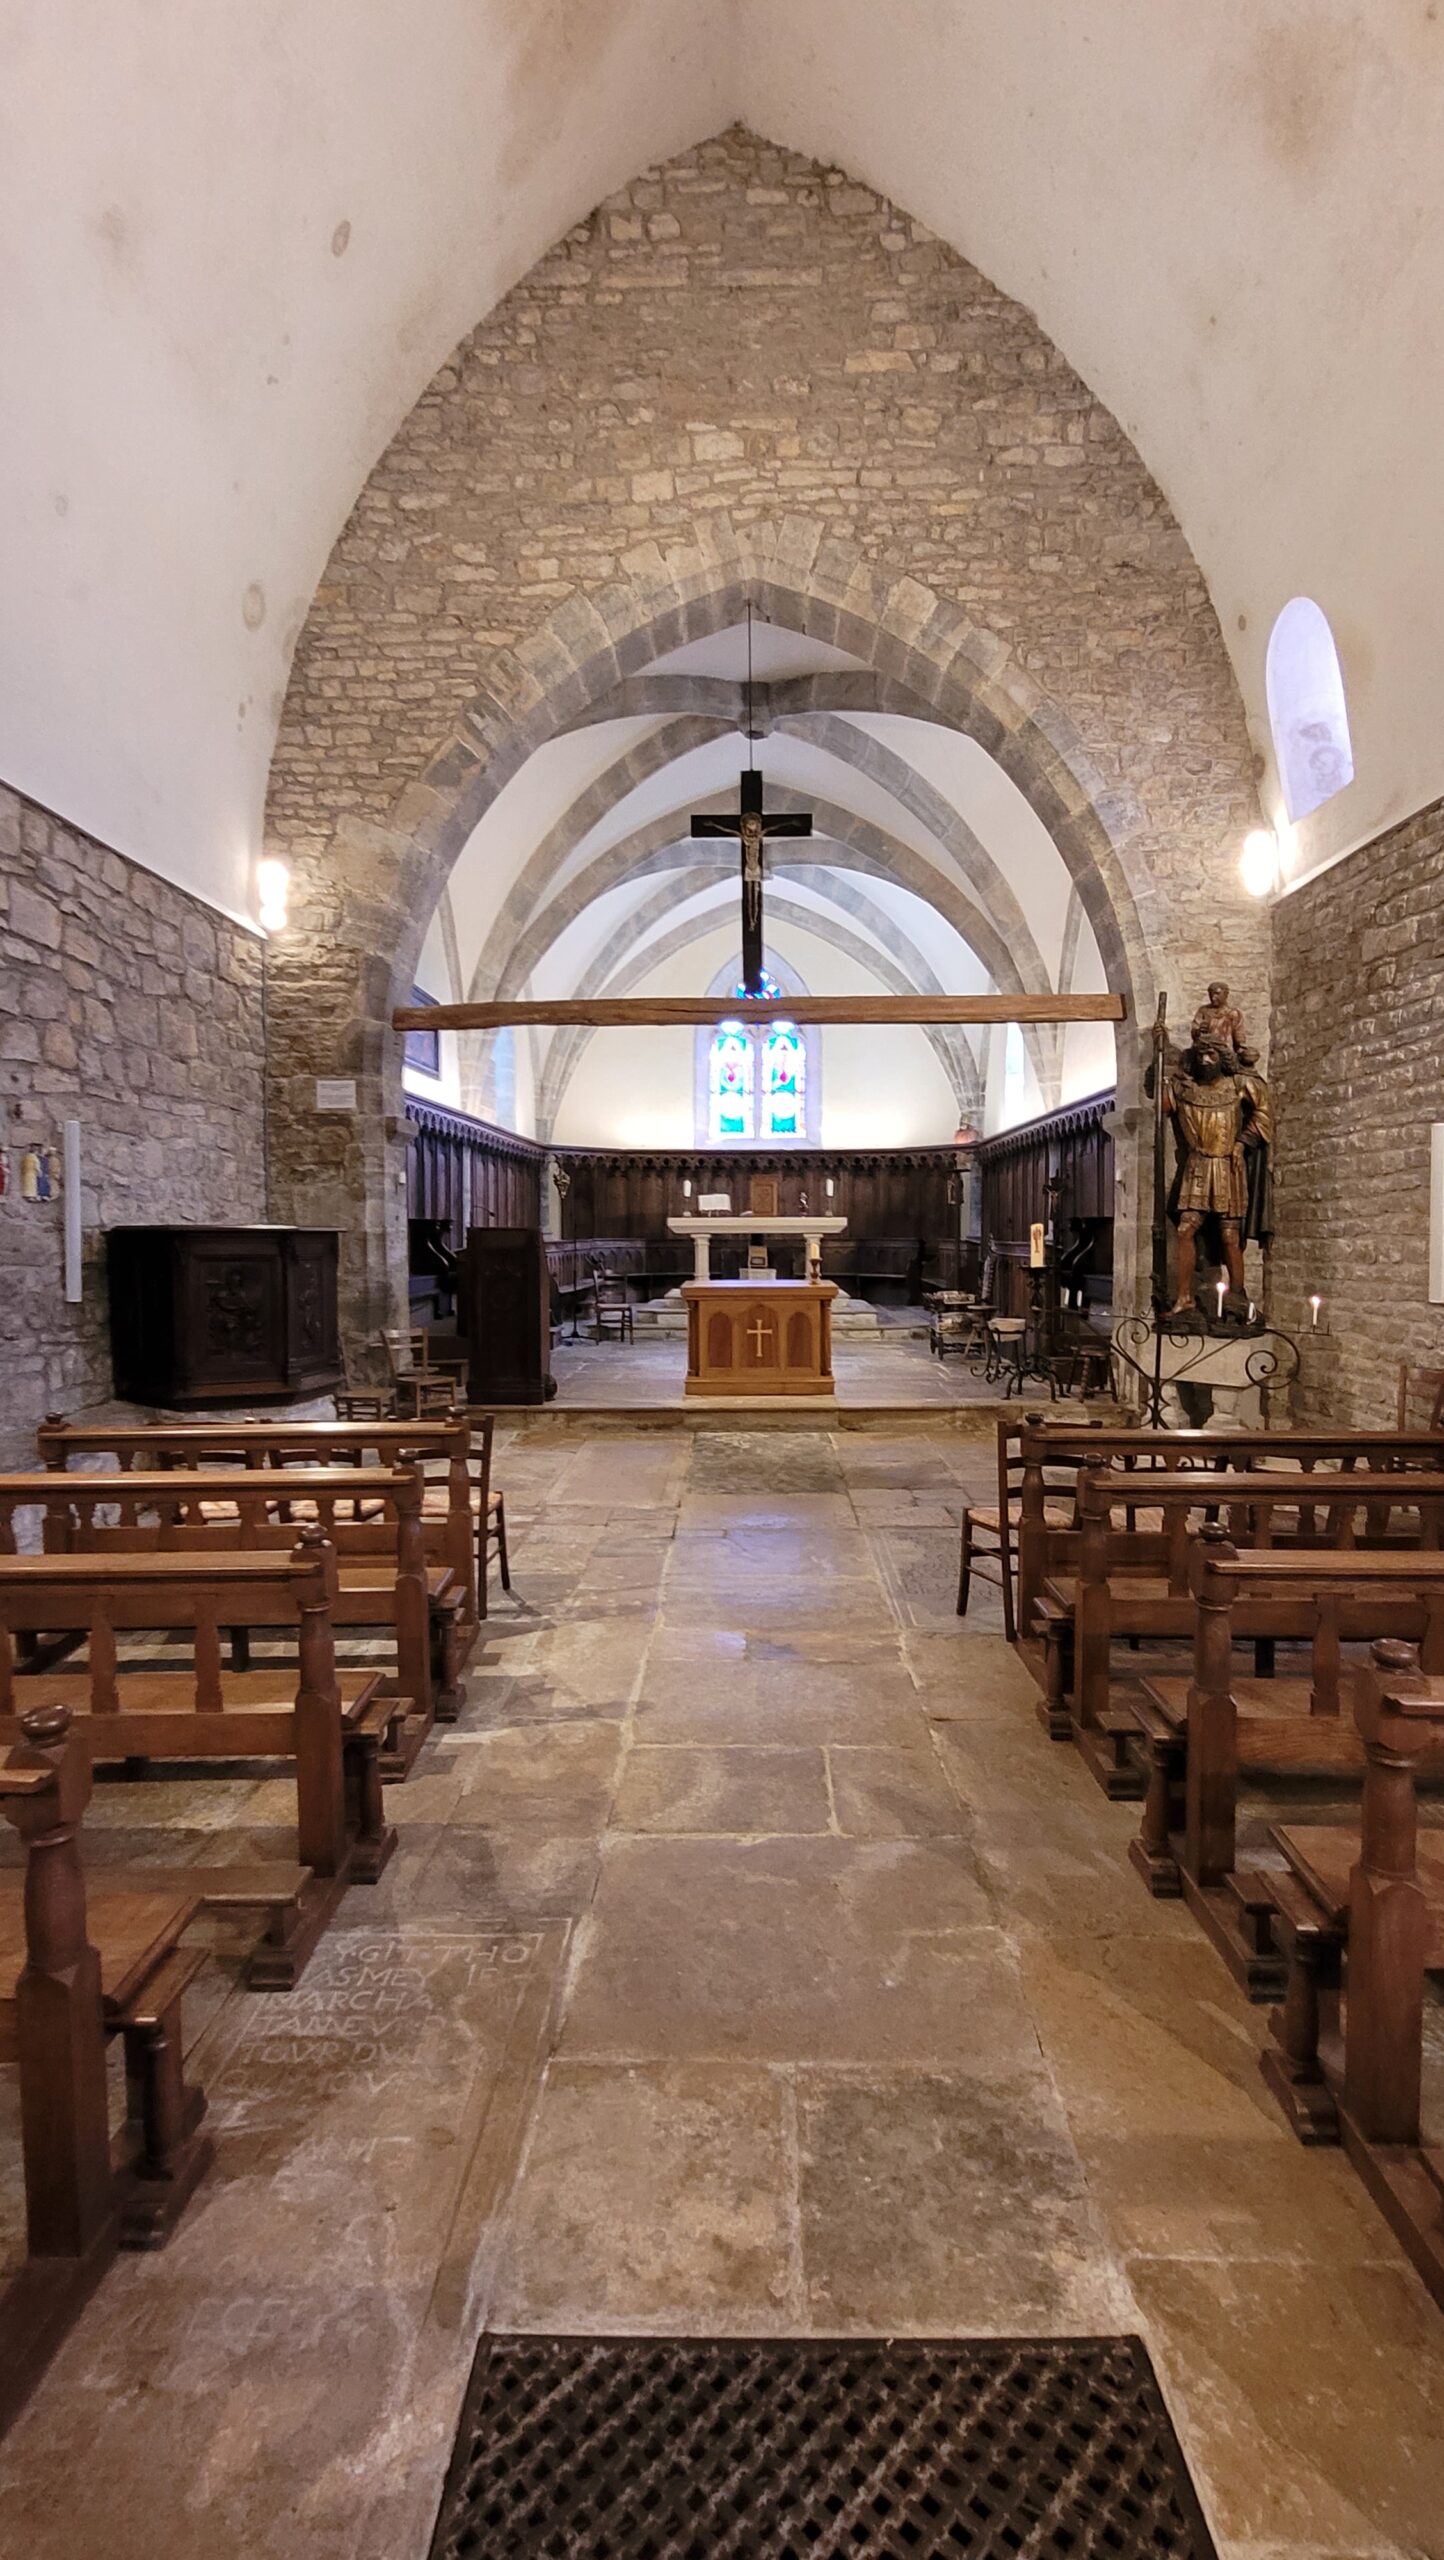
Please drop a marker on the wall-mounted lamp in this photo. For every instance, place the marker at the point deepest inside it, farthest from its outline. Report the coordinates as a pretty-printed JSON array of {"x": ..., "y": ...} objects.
[
  {"x": 273, "y": 888},
  {"x": 1258, "y": 864}
]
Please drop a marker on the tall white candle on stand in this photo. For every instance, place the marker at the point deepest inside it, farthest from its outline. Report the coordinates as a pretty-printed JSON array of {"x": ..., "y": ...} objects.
[
  {"x": 1221, "y": 1287},
  {"x": 72, "y": 1214},
  {"x": 1314, "y": 1305}
]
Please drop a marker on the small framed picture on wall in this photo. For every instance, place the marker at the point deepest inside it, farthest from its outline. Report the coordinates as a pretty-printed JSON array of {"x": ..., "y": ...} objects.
[{"x": 422, "y": 1049}]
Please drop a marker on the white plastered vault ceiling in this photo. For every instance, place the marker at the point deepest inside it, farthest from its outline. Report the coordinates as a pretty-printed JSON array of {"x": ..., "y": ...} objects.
[
  {"x": 927, "y": 871},
  {"x": 237, "y": 244}
]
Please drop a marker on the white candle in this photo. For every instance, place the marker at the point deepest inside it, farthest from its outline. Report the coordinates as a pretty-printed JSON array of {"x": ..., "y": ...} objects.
[
  {"x": 73, "y": 1235},
  {"x": 831, "y": 1187},
  {"x": 1221, "y": 1287},
  {"x": 686, "y": 1190},
  {"x": 1314, "y": 1306}
]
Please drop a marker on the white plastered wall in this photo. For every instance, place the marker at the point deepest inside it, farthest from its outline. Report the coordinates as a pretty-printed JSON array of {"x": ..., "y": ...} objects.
[{"x": 238, "y": 243}]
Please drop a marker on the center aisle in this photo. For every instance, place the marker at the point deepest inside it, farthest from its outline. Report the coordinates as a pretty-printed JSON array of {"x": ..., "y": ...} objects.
[{"x": 750, "y": 1963}]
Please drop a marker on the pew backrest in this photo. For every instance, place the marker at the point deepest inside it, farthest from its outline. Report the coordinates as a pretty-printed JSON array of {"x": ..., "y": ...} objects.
[{"x": 265, "y": 1445}]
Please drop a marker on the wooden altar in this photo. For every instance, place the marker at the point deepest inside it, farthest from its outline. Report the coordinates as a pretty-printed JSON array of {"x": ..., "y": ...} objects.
[{"x": 759, "y": 1337}]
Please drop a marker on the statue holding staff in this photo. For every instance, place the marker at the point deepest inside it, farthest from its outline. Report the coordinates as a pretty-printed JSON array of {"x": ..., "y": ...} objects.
[{"x": 1223, "y": 1126}]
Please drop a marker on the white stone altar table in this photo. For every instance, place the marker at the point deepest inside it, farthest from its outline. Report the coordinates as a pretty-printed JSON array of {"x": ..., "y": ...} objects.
[{"x": 742, "y": 1223}]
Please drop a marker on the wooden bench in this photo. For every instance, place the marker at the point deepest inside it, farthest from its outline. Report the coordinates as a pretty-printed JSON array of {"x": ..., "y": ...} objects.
[
  {"x": 450, "y": 1524},
  {"x": 1201, "y": 1734},
  {"x": 331, "y": 1729},
  {"x": 1360, "y": 1911},
  {"x": 1132, "y": 1582},
  {"x": 70, "y": 1977},
  {"x": 383, "y": 1575},
  {"x": 1047, "y": 1547}
]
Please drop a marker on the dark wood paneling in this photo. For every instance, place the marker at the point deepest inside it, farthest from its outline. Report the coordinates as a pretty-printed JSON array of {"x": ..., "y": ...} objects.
[
  {"x": 893, "y": 1194},
  {"x": 463, "y": 1173},
  {"x": 1053, "y": 1172}
]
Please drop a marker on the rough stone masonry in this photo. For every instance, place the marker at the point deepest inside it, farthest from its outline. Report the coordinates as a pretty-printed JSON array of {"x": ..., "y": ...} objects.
[
  {"x": 739, "y": 339},
  {"x": 131, "y": 1007},
  {"x": 1358, "y": 1074}
]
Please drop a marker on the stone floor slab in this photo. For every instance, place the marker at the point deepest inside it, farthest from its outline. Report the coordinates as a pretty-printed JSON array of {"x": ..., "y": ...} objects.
[
  {"x": 654, "y": 2196},
  {"x": 751, "y": 1791}
]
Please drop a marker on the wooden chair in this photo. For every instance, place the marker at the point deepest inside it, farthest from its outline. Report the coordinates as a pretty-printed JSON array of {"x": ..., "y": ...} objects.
[
  {"x": 611, "y": 1306},
  {"x": 330, "y": 1727},
  {"x": 488, "y": 1504},
  {"x": 424, "y": 1384},
  {"x": 1360, "y": 1913},
  {"x": 989, "y": 1529},
  {"x": 70, "y": 1977}
]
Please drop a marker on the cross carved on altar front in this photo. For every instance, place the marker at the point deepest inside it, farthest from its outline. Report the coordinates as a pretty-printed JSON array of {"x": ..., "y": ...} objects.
[{"x": 759, "y": 1333}]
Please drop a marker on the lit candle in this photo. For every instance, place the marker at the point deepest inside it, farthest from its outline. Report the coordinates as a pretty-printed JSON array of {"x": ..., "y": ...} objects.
[
  {"x": 1314, "y": 1305},
  {"x": 1250, "y": 1311},
  {"x": 1221, "y": 1291}
]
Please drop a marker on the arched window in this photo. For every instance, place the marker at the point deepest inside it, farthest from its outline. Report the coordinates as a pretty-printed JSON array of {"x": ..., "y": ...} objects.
[
  {"x": 758, "y": 1083},
  {"x": 731, "y": 1085},
  {"x": 1307, "y": 711},
  {"x": 784, "y": 1082}
]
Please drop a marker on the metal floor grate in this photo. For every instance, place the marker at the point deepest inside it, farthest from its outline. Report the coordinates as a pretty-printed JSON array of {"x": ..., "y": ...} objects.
[{"x": 723, "y": 2449}]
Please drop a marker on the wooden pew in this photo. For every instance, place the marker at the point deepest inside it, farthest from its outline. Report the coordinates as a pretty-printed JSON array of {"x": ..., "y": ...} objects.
[
  {"x": 451, "y": 1536},
  {"x": 1134, "y": 1582},
  {"x": 71, "y": 1976},
  {"x": 1361, "y": 1909},
  {"x": 331, "y": 1729},
  {"x": 383, "y": 1577},
  {"x": 1046, "y": 1547},
  {"x": 1202, "y": 1734}
]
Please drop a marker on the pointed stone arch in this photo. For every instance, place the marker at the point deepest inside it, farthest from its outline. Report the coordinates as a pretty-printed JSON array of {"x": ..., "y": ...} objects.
[{"x": 583, "y": 488}]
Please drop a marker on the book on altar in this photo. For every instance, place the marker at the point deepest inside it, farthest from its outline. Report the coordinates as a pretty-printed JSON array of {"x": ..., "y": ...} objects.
[{"x": 714, "y": 1204}]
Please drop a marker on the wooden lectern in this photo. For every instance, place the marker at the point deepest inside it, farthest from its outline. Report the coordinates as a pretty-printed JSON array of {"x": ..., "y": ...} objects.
[{"x": 506, "y": 1304}]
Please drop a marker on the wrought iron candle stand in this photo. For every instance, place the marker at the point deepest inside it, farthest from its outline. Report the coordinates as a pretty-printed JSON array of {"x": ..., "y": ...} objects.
[
  {"x": 1273, "y": 1360},
  {"x": 1033, "y": 1360}
]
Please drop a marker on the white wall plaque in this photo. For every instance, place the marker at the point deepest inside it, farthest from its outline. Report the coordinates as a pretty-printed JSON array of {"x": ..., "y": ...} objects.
[{"x": 335, "y": 1093}]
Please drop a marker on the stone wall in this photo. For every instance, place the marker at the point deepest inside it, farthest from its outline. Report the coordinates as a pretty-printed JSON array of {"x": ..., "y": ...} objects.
[
  {"x": 1358, "y": 1071},
  {"x": 749, "y": 370},
  {"x": 129, "y": 1006}
]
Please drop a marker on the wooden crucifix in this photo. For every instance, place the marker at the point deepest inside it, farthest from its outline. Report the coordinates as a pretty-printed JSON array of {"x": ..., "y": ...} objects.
[{"x": 753, "y": 824}]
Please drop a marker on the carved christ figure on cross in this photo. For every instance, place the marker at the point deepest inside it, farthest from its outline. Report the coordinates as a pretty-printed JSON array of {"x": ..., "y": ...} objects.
[{"x": 753, "y": 824}]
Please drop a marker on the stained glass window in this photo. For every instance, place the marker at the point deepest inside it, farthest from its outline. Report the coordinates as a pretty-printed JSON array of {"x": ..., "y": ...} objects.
[
  {"x": 731, "y": 1084},
  {"x": 784, "y": 1076},
  {"x": 756, "y": 1078}
]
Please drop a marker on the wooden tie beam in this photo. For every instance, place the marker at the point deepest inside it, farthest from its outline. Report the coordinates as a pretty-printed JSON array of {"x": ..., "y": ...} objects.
[{"x": 626, "y": 1013}]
